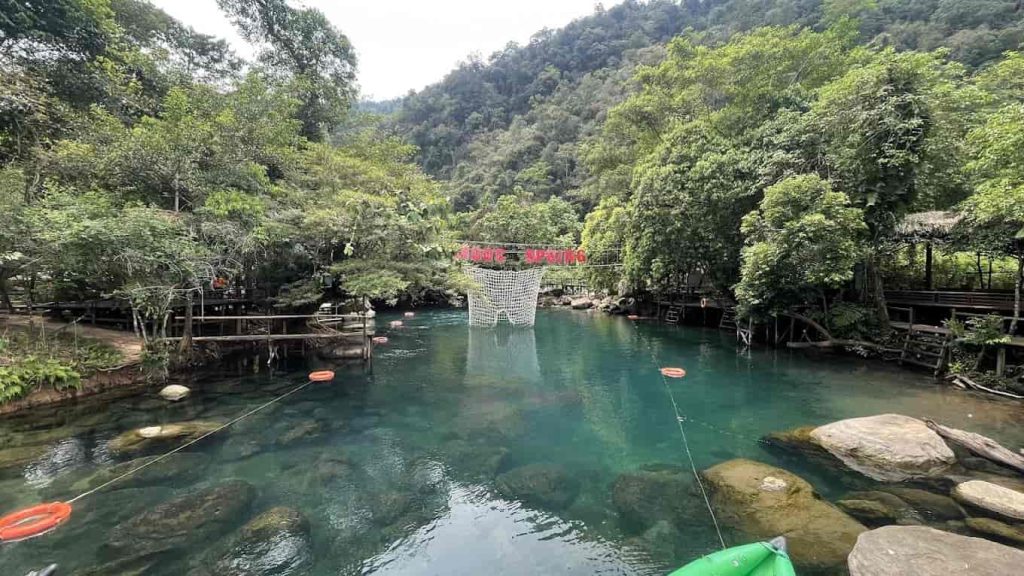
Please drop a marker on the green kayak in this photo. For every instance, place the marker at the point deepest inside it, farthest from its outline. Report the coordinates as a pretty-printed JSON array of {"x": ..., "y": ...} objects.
[{"x": 758, "y": 559}]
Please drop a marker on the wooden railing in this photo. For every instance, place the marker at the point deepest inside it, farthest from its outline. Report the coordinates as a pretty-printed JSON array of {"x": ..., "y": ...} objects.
[{"x": 945, "y": 299}]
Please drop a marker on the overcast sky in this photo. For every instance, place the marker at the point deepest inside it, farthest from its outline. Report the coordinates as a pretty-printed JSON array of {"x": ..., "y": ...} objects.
[{"x": 409, "y": 43}]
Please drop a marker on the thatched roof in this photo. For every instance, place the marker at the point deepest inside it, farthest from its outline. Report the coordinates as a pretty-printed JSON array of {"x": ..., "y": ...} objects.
[{"x": 934, "y": 225}]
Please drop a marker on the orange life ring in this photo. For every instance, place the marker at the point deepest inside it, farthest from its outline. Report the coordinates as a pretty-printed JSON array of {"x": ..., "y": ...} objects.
[
  {"x": 410, "y": 314},
  {"x": 396, "y": 323},
  {"x": 673, "y": 372},
  {"x": 321, "y": 376},
  {"x": 33, "y": 521},
  {"x": 380, "y": 339},
  {"x": 633, "y": 317},
  {"x": 703, "y": 302}
]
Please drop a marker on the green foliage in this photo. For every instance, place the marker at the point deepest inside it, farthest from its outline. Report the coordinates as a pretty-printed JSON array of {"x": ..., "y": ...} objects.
[
  {"x": 981, "y": 331},
  {"x": 517, "y": 220},
  {"x": 803, "y": 239},
  {"x": 31, "y": 372}
]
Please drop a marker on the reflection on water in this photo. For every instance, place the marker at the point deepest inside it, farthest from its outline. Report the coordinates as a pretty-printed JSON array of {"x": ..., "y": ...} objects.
[{"x": 463, "y": 451}]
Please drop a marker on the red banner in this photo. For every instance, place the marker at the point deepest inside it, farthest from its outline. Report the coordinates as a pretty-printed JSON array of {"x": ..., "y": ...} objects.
[{"x": 497, "y": 255}]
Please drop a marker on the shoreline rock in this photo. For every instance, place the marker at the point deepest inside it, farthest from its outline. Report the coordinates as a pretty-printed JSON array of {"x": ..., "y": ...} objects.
[
  {"x": 764, "y": 501},
  {"x": 992, "y": 498},
  {"x": 887, "y": 447},
  {"x": 923, "y": 551}
]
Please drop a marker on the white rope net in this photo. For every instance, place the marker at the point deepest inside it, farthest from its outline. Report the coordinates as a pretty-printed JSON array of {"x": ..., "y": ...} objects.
[{"x": 509, "y": 292}]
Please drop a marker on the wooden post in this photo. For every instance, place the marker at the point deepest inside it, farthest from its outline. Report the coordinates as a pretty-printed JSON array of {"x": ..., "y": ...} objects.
[
  {"x": 1001, "y": 361},
  {"x": 928, "y": 281}
]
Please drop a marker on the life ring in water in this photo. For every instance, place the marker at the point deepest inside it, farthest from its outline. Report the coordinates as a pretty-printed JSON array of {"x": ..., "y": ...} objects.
[
  {"x": 633, "y": 317},
  {"x": 380, "y": 339},
  {"x": 396, "y": 324},
  {"x": 321, "y": 376},
  {"x": 673, "y": 372},
  {"x": 410, "y": 314},
  {"x": 33, "y": 521}
]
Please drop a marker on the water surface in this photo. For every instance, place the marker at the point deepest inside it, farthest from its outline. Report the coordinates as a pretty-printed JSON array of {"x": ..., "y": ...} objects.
[{"x": 399, "y": 468}]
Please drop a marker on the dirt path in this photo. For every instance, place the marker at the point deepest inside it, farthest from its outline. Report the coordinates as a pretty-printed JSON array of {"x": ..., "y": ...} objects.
[{"x": 126, "y": 343}]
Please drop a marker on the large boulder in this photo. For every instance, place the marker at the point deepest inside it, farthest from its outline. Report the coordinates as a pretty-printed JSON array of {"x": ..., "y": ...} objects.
[
  {"x": 541, "y": 484},
  {"x": 922, "y": 551},
  {"x": 143, "y": 440},
  {"x": 655, "y": 493},
  {"x": 876, "y": 508},
  {"x": 764, "y": 501},
  {"x": 998, "y": 530},
  {"x": 991, "y": 498},
  {"x": 888, "y": 447},
  {"x": 581, "y": 303},
  {"x": 187, "y": 519},
  {"x": 275, "y": 542}
]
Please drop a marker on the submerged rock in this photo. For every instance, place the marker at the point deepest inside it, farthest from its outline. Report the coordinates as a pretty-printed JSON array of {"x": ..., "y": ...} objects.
[
  {"x": 922, "y": 551},
  {"x": 144, "y": 439},
  {"x": 20, "y": 456},
  {"x": 194, "y": 517},
  {"x": 991, "y": 498},
  {"x": 931, "y": 506},
  {"x": 1000, "y": 530},
  {"x": 277, "y": 542},
  {"x": 540, "y": 484},
  {"x": 653, "y": 494},
  {"x": 178, "y": 470},
  {"x": 299, "y": 431},
  {"x": 888, "y": 447},
  {"x": 175, "y": 392},
  {"x": 582, "y": 303},
  {"x": 876, "y": 508},
  {"x": 819, "y": 534}
]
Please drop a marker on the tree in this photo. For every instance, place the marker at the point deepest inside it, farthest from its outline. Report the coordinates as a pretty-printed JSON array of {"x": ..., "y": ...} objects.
[
  {"x": 304, "y": 48},
  {"x": 517, "y": 220},
  {"x": 803, "y": 239}
]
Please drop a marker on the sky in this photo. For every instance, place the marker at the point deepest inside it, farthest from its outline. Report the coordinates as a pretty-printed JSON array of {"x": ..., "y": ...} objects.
[{"x": 408, "y": 44}]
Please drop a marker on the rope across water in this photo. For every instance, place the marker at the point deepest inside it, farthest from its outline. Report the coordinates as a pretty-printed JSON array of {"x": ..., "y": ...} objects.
[
  {"x": 191, "y": 442},
  {"x": 686, "y": 448}
]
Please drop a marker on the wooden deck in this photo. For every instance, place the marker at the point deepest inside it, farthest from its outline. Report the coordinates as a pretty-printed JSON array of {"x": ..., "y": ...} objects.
[{"x": 995, "y": 301}]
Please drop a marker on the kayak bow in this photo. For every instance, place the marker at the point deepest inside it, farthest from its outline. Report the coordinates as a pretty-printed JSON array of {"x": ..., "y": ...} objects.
[{"x": 757, "y": 559}]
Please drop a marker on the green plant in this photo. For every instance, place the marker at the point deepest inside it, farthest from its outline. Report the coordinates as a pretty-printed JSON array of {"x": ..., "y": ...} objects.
[{"x": 11, "y": 384}]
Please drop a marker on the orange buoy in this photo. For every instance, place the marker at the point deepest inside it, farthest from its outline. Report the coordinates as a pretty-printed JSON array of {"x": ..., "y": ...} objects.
[
  {"x": 396, "y": 323},
  {"x": 321, "y": 376},
  {"x": 380, "y": 339},
  {"x": 633, "y": 317},
  {"x": 34, "y": 521},
  {"x": 703, "y": 302},
  {"x": 410, "y": 314},
  {"x": 673, "y": 372}
]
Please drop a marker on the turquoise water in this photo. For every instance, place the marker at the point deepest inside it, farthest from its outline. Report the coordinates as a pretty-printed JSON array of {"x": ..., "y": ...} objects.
[{"x": 416, "y": 466}]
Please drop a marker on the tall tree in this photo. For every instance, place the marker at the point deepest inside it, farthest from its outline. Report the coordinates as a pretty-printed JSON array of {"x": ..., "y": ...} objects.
[{"x": 306, "y": 49}]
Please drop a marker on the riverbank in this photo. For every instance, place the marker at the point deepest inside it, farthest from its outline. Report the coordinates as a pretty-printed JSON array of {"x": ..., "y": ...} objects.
[{"x": 52, "y": 362}]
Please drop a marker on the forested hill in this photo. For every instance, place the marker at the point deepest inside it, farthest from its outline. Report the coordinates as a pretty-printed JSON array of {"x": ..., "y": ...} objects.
[{"x": 515, "y": 122}]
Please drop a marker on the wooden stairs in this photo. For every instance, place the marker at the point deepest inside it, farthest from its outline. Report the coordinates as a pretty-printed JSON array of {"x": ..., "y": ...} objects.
[
  {"x": 674, "y": 314},
  {"x": 927, "y": 347},
  {"x": 728, "y": 319}
]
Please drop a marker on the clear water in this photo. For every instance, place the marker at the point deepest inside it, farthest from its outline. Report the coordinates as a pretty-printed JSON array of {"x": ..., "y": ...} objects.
[{"x": 394, "y": 467}]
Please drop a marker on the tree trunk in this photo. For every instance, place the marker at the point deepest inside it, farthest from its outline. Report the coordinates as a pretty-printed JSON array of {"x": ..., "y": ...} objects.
[
  {"x": 1016, "y": 294},
  {"x": 981, "y": 271},
  {"x": 878, "y": 292},
  {"x": 5, "y": 295},
  {"x": 185, "y": 346},
  {"x": 928, "y": 281}
]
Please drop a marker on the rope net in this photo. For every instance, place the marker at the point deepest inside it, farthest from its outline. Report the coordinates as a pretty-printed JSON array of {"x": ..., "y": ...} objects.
[{"x": 509, "y": 292}]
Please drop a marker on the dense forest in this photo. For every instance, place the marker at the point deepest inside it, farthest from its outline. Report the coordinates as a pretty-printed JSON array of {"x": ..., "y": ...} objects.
[
  {"x": 772, "y": 148},
  {"x": 143, "y": 160}
]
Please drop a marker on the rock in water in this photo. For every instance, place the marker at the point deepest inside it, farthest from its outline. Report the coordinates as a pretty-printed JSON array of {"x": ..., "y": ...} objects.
[
  {"x": 186, "y": 519},
  {"x": 144, "y": 439},
  {"x": 1000, "y": 530},
  {"x": 654, "y": 494},
  {"x": 922, "y": 551},
  {"x": 582, "y": 303},
  {"x": 175, "y": 392},
  {"x": 991, "y": 498},
  {"x": 274, "y": 543},
  {"x": 889, "y": 447},
  {"x": 931, "y": 506},
  {"x": 876, "y": 508},
  {"x": 547, "y": 485},
  {"x": 819, "y": 534}
]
